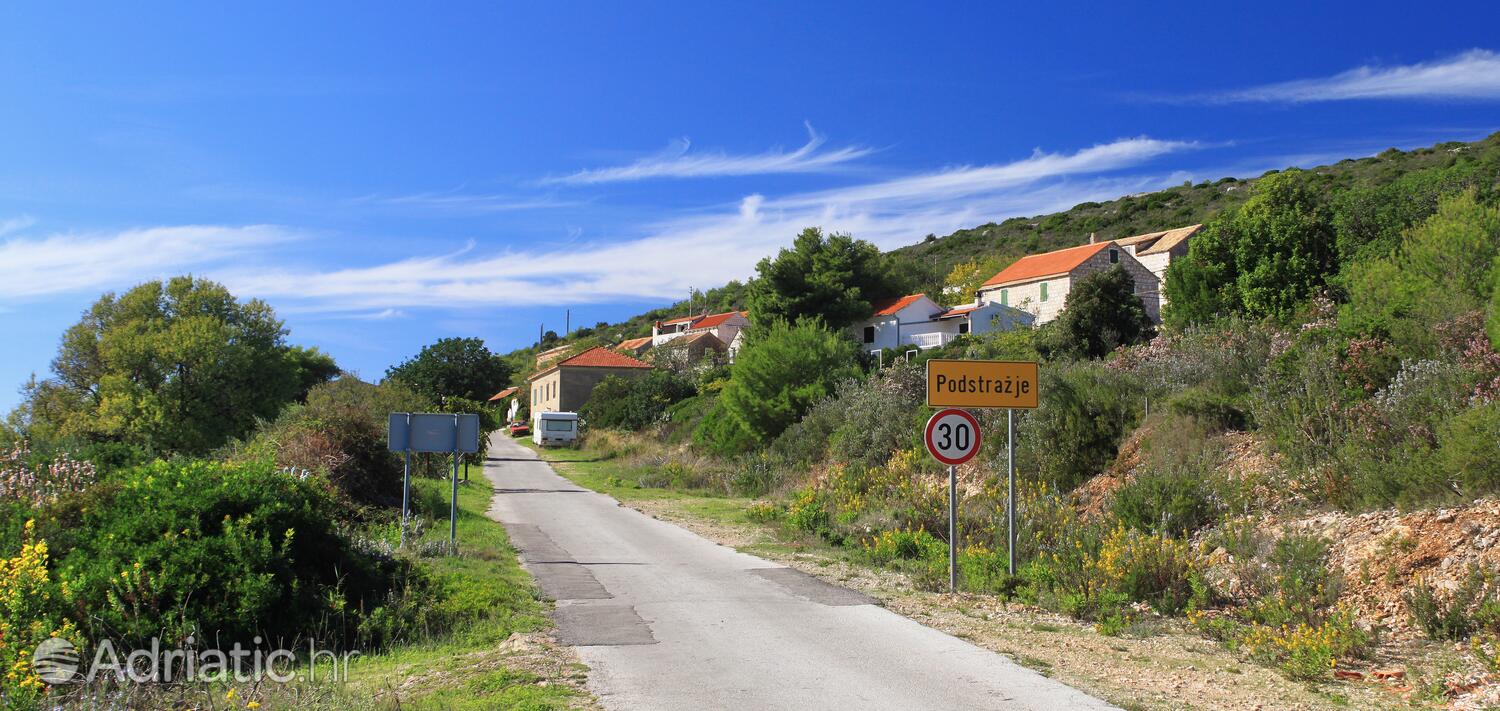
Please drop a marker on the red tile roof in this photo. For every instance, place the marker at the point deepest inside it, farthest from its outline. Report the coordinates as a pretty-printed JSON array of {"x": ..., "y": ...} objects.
[
  {"x": 1036, "y": 266},
  {"x": 598, "y": 357},
  {"x": 716, "y": 319},
  {"x": 887, "y": 307},
  {"x": 633, "y": 344},
  {"x": 957, "y": 311},
  {"x": 504, "y": 394}
]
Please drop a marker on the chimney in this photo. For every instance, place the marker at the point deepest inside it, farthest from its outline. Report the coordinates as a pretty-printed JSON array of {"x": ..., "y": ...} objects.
[{"x": 1093, "y": 237}]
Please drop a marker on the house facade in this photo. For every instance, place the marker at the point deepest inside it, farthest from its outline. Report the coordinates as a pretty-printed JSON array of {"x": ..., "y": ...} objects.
[
  {"x": 917, "y": 321},
  {"x": 566, "y": 385},
  {"x": 725, "y": 327},
  {"x": 1157, "y": 250},
  {"x": 1039, "y": 283}
]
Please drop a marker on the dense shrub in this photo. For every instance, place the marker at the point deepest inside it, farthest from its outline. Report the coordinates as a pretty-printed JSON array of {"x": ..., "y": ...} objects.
[
  {"x": 1219, "y": 411},
  {"x": 1175, "y": 501},
  {"x": 1469, "y": 450},
  {"x": 635, "y": 403},
  {"x": 780, "y": 373},
  {"x": 1473, "y": 606},
  {"x": 223, "y": 552},
  {"x": 1086, "y": 409},
  {"x": 1102, "y": 314}
]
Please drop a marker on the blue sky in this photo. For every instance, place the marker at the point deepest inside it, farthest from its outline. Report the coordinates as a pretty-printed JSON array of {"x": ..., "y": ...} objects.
[{"x": 388, "y": 176}]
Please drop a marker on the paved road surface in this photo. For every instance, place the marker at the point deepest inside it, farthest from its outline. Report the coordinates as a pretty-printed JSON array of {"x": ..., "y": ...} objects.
[{"x": 668, "y": 620}]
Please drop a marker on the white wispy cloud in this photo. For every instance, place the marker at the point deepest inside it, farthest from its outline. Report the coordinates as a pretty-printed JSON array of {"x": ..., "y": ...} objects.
[
  {"x": 61, "y": 263},
  {"x": 722, "y": 245},
  {"x": 678, "y": 162},
  {"x": 1473, "y": 75},
  {"x": 16, "y": 224},
  {"x": 459, "y": 202}
]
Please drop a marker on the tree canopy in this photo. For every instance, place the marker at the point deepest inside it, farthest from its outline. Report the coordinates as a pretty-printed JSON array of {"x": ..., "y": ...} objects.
[
  {"x": 832, "y": 278},
  {"x": 454, "y": 367},
  {"x": 180, "y": 366},
  {"x": 1103, "y": 313},
  {"x": 1263, "y": 258},
  {"x": 777, "y": 376}
]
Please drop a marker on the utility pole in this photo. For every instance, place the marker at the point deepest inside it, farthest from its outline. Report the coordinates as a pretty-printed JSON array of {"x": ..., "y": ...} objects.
[{"x": 567, "y": 322}]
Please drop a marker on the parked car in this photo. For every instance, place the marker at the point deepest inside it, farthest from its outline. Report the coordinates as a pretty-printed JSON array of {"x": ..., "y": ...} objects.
[
  {"x": 519, "y": 428},
  {"x": 555, "y": 428}
]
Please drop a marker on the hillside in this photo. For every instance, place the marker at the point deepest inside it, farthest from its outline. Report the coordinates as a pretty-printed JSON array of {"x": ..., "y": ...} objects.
[{"x": 929, "y": 261}]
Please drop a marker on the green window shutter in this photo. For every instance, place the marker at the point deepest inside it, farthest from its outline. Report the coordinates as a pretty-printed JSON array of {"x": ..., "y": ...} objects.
[
  {"x": 1005, "y": 297},
  {"x": 1044, "y": 291}
]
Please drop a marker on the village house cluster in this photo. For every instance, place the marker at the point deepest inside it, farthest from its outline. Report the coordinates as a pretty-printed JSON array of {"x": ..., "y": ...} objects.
[{"x": 1031, "y": 291}]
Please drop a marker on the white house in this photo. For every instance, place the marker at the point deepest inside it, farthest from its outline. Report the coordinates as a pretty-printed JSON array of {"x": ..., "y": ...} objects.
[
  {"x": 1039, "y": 283},
  {"x": 917, "y": 321},
  {"x": 725, "y": 327}
]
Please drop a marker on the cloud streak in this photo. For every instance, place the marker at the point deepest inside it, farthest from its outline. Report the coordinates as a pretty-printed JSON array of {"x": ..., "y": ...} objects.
[
  {"x": 59, "y": 263},
  {"x": 676, "y": 162},
  {"x": 722, "y": 245},
  {"x": 1472, "y": 75}
]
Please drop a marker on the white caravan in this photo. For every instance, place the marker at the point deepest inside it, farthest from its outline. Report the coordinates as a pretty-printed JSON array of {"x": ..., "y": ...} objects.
[{"x": 554, "y": 428}]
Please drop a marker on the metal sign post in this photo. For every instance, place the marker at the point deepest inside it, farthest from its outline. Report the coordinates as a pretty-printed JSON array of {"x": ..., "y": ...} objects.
[
  {"x": 952, "y": 437},
  {"x": 436, "y": 433},
  {"x": 1010, "y": 486},
  {"x": 993, "y": 384}
]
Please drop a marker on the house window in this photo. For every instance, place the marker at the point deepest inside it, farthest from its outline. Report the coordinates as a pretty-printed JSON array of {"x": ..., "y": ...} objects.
[
  {"x": 1114, "y": 256},
  {"x": 1005, "y": 297},
  {"x": 1044, "y": 291},
  {"x": 869, "y": 334},
  {"x": 963, "y": 328}
]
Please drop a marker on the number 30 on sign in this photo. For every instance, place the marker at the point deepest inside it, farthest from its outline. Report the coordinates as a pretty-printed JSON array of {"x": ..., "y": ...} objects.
[{"x": 952, "y": 436}]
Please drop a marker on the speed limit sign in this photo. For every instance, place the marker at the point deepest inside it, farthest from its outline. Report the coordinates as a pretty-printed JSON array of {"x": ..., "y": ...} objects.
[{"x": 952, "y": 436}]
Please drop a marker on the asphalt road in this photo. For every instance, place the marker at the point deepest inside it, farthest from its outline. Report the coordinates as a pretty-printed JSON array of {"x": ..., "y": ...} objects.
[{"x": 668, "y": 620}]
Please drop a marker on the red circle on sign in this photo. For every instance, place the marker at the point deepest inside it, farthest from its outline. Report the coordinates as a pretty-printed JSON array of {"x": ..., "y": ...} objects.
[{"x": 951, "y": 454}]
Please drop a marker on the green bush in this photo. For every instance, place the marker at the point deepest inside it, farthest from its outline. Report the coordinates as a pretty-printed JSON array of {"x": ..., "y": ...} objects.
[
  {"x": 781, "y": 372},
  {"x": 1467, "y": 450},
  {"x": 223, "y": 552},
  {"x": 1219, "y": 411},
  {"x": 635, "y": 403},
  {"x": 1085, "y": 411},
  {"x": 1474, "y": 606},
  {"x": 1175, "y": 501}
]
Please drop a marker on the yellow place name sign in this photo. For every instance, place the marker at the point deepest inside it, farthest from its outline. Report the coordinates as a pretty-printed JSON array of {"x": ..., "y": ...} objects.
[{"x": 982, "y": 383}]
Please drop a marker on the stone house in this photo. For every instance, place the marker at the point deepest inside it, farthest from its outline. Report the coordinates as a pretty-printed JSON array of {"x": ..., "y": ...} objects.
[
  {"x": 566, "y": 385},
  {"x": 1039, "y": 283},
  {"x": 1157, "y": 250}
]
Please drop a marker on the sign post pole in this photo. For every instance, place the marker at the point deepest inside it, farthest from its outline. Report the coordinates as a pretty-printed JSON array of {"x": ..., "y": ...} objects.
[
  {"x": 990, "y": 384},
  {"x": 453, "y": 503},
  {"x": 1010, "y": 485},
  {"x": 952, "y": 528},
  {"x": 406, "y": 484}
]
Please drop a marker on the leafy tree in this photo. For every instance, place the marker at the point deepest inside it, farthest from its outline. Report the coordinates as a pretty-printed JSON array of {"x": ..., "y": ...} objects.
[
  {"x": 832, "y": 278},
  {"x": 781, "y": 372},
  {"x": 1103, "y": 313},
  {"x": 961, "y": 284},
  {"x": 1444, "y": 267},
  {"x": 314, "y": 367},
  {"x": 454, "y": 367},
  {"x": 1264, "y": 258},
  {"x": 179, "y": 366}
]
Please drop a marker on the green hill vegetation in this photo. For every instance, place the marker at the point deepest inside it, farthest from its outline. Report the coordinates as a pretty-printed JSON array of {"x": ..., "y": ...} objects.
[{"x": 1339, "y": 321}]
